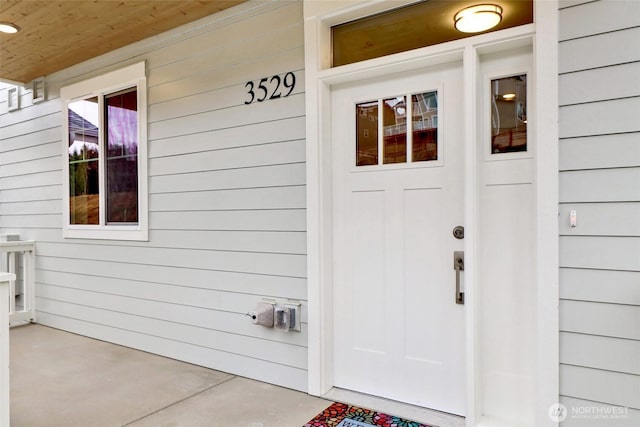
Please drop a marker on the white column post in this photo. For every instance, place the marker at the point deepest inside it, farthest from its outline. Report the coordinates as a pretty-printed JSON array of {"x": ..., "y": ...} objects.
[{"x": 5, "y": 279}]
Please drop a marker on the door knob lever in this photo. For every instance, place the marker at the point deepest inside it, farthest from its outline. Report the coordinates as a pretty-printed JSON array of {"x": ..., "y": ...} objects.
[{"x": 458, "y": 266}]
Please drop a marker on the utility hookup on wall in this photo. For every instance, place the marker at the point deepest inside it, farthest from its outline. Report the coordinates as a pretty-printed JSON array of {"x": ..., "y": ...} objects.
[{"x": 287, "y": 317}]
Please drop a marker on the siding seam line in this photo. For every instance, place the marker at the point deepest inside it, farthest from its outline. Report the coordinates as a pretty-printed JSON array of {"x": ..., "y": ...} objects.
[
  {"x": 597, "y": 401},
  {"x": 599, "y": 369},
  {"x": 564, "y": 73},
  {"x": 598, "y": 34}
]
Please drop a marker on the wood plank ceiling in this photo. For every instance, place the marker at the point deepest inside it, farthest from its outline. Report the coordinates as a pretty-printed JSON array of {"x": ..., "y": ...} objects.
[{"x": 58, "y": 34}]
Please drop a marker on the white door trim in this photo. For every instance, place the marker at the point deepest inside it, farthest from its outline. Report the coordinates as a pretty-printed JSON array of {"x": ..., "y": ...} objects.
[{"x": 319, "y": 17}]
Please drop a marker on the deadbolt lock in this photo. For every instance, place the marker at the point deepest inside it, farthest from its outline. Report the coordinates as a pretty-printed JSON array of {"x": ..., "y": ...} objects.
[{"x": 458, "y": 232}]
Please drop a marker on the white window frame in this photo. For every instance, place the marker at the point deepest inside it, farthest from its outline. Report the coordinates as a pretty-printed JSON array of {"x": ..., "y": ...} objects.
[{"x": 131, "y": 76}]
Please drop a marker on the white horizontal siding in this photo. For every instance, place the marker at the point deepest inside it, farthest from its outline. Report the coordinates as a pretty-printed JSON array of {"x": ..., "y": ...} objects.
[
  {"x": 612, "y": 286},
  {"x": 600, "y": 118},
  {"x": 587, "y": 86},
  {"x": 592, "y": 351},
  {"x": 611, "y": 253},
  {"x": 275, "y": 153},
  {"x": 604, "y": 151},
  {"x": 246, "y": 282},
  {"x": 614, "y": 388},
  {"x": 226, "y": 203},
  {"x": 263, "y": 220},
  {"x": 598, "y": 51},
  {"x": 601, "y": 219},
  {"x": 292, "y": 265},
  {"x": 600, "y": 185},
  {"x": 587, "y": 413},
  {"x": 622, "y": 321},
  {"x": 286, "y": 129},
  {"x": 599, "y": 163},
  {"x": 613, "y": 15}
]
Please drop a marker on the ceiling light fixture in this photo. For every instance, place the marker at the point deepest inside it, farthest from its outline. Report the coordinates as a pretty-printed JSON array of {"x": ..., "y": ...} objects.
[
  {"x": 8, "y": 27},
  {"x": 509, "y": 96},
  {"x": 478, "y": 18}
]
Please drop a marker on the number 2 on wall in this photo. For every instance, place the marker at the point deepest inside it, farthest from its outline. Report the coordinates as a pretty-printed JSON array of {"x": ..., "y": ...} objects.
[{"x": 259, "y": 92}]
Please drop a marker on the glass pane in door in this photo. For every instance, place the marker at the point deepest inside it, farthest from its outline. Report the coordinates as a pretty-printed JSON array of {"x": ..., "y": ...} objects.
[
  {"x": 394, "y": 116},
  {"x": 424, "y": 126},
  {"x": 367, "y": 133}
]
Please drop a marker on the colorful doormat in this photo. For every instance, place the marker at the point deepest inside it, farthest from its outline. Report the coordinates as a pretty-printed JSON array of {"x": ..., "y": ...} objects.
[{"x": 342, "y": 415}]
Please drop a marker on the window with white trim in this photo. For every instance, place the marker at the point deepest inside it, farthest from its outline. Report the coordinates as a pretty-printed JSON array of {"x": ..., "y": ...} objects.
[{"x": 105, "y": 156}]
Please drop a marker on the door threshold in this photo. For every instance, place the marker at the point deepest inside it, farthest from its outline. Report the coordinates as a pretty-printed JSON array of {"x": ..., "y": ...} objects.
[{"x": 398, "y": 409}]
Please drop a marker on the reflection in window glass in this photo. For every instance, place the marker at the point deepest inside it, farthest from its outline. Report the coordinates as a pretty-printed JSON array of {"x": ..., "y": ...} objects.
[
  {"x": 121, "y": 118},
  {"x": 84, "y": 153},
  {"x": 424, "y": 126},
  {"x": 394, "y": 116},
  {"x": 509, "y": 114},
  {"x": 367, "y": 133}
]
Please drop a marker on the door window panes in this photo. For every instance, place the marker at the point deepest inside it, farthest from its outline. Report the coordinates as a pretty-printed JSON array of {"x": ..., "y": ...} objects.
[
  {"x": 367, "y": 133},
  {"x": 424, "y": 118},
  {"x": 509, "y": 114},
  {"x": 394, "y": 116},
  {"x": 395, "y": 131}
]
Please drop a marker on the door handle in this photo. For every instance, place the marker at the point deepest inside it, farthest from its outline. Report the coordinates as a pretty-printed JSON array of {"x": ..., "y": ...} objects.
[{"x": 458, "y": 266}]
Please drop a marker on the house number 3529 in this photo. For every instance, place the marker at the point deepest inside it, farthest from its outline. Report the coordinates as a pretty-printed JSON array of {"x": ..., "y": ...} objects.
[{"x": 274, "y": 87}]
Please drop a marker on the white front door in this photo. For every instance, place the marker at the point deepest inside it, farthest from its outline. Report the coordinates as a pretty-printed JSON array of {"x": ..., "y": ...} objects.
[{"x": 398, "y": 174}]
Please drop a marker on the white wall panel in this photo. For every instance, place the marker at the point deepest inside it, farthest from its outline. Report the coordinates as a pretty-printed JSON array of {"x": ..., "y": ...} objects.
[
  {"x": 617, "y": 287},
  {"x": 600, "y": 386},
  {"x": 41, "y": 151},
  {"x": 601, "y": 219},
  {"x": 612, "y": 253},
  {"x": 600, "y": 185},
  {"x": 286, "y": 129},
  {"x": 598, "y": 51},
  {"x": 264, "y": 220},
  {"x": 587, "y": 413},
  {"x": 600, "y": 84},
  {"x": 600, "y": 118},
  {"x": 622, "y": 321},
  {"x": 599, "y": 163},
  {"x": 597, "y": 152},
  {"x": 36, "y": 138},
  {"x": 247, "y": 177},
  {"x": 592, "y": 351},
  {"x": 241, "y": 157},
  {"x": 227, "y": 200},
  {"x": 602, "y": 16},
  {"x": 250, "y": 262}
]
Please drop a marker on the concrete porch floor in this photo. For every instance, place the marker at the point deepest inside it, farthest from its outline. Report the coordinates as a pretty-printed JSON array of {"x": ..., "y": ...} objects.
[{"x": 61, "y": 379}]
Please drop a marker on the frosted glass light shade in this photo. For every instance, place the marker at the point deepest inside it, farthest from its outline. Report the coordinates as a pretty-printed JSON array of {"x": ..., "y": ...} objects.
[{"x": 478, "y": 18}]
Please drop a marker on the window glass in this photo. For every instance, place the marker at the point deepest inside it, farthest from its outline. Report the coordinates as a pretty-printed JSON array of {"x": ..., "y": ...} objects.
[
  {"x": 423, "y": 23},
  {"x": 367, "y": 133},
  {"x": 424, "y": 120},
  {"x": 509, "y": 114},
  {"x": 84, "y": 154},
  {"x": 394, "y": 116},
  {"x": 121, "y": 120},
  {"x": 105, "y": 133}
]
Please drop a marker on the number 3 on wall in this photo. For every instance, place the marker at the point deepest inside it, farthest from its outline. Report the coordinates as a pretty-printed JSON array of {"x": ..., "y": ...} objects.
[{"x": 260, "y": 92}]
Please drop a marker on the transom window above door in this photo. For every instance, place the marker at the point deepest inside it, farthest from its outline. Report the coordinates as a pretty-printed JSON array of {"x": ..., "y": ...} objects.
[{"x": 392, "y": 130}]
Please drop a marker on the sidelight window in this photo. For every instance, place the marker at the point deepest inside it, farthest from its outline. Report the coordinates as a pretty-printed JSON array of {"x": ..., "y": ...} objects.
[{"x": 509, "y": 114}]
